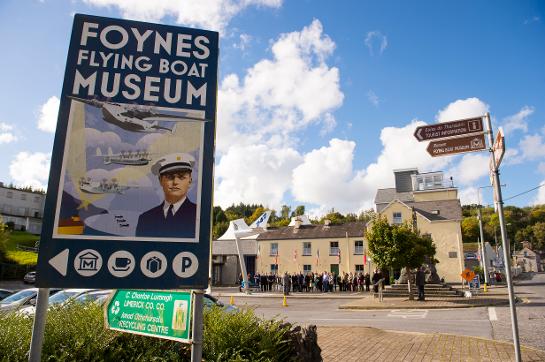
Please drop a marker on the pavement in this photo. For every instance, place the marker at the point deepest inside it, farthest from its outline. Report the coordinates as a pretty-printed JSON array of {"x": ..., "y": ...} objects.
[{"x": 372, "y": 344}]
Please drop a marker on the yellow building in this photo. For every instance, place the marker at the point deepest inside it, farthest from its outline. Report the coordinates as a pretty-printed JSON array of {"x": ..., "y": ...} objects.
[
  {"x": 305, "y": 247},
  {"x": 432, "y": 205}
]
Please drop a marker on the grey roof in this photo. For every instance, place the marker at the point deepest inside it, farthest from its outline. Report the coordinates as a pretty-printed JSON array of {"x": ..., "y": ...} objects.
[
  {"x": 385, "y": 196},
  {"x": 448, "y": 209},
  {"x": 228, "y": 247},
  {"x": 354, "y": 229}
]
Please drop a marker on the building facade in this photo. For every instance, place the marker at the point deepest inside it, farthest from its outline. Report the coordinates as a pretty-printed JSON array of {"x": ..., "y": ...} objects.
[
  {"x": 22, "y": 208},
  {"x": 527, "y": 259},
  {"x": 431, "y": 205},
  {"x": 305, "y": 247}
]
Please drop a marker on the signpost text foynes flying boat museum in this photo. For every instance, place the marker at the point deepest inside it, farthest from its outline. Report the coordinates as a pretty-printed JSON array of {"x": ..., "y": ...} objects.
[{"x": 140, "y": 86}]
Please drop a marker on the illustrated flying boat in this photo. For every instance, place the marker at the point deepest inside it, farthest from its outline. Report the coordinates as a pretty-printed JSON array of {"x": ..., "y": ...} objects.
[
  {"x": 135, "y": 118},
  {"x": 104, "y": 186},
  {"x": 131, "y": 158}
]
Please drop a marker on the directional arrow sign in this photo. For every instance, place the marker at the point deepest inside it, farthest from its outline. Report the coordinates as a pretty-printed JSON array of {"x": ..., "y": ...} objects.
[
  {"x": 456, "y": 145},
  {"x": 60, "y": 262},
  {"x": 449, "y": 129}
]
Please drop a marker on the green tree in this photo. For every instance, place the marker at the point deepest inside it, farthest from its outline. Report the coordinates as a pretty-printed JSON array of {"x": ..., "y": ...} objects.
[
  {"x": 398, "y": 246},
  {"x": 219, "y": 229},
  {"x": 285, "y": 212},
  {"x": 4, "y": 236},
  {"x": 470, "y": 229},
  {"x": 299, "y": 210},
  {"x": 257, "y": 213},
  {"x": 539, "y": 236}
]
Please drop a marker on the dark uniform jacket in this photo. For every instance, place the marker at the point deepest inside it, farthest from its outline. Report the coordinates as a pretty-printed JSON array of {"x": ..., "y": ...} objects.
[{"x": 181, "y": 225}]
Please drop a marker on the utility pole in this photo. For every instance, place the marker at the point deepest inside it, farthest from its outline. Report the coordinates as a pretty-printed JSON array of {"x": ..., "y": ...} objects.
[{"x": 499, "y": 207}]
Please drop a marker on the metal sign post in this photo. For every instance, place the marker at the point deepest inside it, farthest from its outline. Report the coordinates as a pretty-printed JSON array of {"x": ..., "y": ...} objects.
[
  {"x": 496, "y": 159},
  {"x": 38, "y": 327},
  {"x": 483, "y": 254},
  {"x": 196, "y": 346}
]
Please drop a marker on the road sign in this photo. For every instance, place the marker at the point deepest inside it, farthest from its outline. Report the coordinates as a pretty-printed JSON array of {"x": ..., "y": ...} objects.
[
  {"x": 449, "y": 129},
  {"x": 137, "y": 113},
  {"x": 468, "y": 275},
  {"x": 475, "y": 283},
  {"x": 456, "y": 145},
  {"x": 499, "y": 147},
  {"x": 162, "y": 314}
]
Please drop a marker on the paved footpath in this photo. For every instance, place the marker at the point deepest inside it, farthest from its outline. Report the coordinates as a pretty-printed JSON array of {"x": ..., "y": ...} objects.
[{"x": 370, "y": 344}]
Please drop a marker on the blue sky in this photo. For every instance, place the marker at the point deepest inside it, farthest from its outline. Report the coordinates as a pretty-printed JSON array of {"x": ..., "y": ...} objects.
[{"x": 318, "y": 100}]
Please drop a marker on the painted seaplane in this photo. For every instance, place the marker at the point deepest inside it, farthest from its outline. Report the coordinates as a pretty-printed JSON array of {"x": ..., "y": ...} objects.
[
  {"x": 104, "y": 186},
  {"x": 136, "y": 118},
  {"x": 131, "y": 158}
]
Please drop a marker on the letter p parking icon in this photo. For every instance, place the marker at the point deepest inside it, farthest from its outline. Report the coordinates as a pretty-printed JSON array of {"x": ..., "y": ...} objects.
[{"x": 185, "y": 264}]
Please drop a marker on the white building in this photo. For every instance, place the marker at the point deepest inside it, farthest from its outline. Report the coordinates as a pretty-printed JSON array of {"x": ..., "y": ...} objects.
[{"x": 22, "y": 208}]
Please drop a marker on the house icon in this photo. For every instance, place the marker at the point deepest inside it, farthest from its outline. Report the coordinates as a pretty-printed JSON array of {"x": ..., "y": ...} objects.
[{"x": 88, "y": 261}]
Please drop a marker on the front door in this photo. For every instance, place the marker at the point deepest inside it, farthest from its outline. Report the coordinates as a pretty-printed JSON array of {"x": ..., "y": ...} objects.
[{"x": 335, "y": 269}]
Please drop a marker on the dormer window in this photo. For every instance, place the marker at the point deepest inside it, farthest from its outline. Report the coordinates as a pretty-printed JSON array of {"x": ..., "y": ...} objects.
[{"x": 435, "y": 212}]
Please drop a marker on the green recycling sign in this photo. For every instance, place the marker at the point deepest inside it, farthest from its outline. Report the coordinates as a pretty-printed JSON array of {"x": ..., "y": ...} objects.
[{"x": 162, "y": 314}]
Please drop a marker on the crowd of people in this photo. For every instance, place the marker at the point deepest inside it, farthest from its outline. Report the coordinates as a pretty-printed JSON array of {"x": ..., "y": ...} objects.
[{"x": 324, "y": 282}]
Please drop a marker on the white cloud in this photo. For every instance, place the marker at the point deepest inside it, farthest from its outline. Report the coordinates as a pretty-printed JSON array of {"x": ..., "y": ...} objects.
[
  {"x": 540, "y": 198},
  {"x": 532, "y": 147},
  {"x": 280, "y": 96},
  {"x": 208, "y": 14},
  {"x": 518, "y": 121},
  {"x": 471, "y": 167},
  {"x": 375, "y": 39},
  {"x": 541, "y": 167},
  {"x": 533, "y": 19},
  {"x": 47, "y": 120},
  {"x": 262, "y": 113},
  {"x": 462, "y": 108},
  {"x": 30, "y": 169},
  {"x": 6, "y": 136},
  {"x": 254, "y": 173},
  {"x": 469, "y": 196},
  {"x": 244, "y": 41},
  {"x": 373, "y": 98}
]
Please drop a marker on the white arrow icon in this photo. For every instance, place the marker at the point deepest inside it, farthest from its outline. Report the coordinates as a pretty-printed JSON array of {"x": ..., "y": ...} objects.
[{"x": 60, "y": 262}]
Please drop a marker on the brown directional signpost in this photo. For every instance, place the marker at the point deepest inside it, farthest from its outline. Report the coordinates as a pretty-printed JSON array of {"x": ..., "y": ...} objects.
[
  {"x": 457, "y": 145},
  {"x": 461, "y": 127}
]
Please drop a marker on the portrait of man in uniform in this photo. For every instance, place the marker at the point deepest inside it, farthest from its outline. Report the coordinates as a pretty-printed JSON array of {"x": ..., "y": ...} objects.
[{"x": 176, "y": 215}]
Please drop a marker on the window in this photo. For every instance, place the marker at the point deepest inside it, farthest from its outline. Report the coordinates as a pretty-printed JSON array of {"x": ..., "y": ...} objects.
[
  {"x": 438, "y": 180},
  {"x": 23, "y": 197},
  {"x": 359, "y": 268},
  {"x": 358, "y": 247},
  {"x": 274, "y": 268},
  {"x": 397, "y": 219},
  {"x": 334, "y": 248},
  {"x": 307, "y": 268},
  {"x": 9, "y": 194},
  {"x": 274, "y": 249},
  {"x": 452, "y": 254},
  {"x": 307, "y": 249}
]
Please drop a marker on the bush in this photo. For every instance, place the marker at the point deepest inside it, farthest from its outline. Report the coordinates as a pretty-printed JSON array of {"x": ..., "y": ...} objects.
[{"x": 76, "y": 333}]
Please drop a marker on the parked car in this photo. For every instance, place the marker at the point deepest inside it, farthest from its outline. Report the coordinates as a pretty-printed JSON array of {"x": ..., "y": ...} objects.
[
  {"x": 210, "y": 301},
  {"x": 60, "y": 298},
  {"x": 30, "y": 278},
  {"x": 470, "y": 256},
  {"x": 97, "y": 296},
  {"x": 5, "y": 293},
  {"x": 21, "y": 299}
]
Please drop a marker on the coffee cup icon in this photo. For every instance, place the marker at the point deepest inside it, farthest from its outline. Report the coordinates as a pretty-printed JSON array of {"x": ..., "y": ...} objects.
[{"x": 121, "y": 264}]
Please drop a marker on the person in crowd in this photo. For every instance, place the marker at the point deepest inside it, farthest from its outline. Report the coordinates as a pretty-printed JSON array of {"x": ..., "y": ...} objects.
[
  {"x": 376, "y": 277},
  {"x": 420, "y": 283},
  {"x": 367, "y": 281},
  {"x": 286, "y": 282}
]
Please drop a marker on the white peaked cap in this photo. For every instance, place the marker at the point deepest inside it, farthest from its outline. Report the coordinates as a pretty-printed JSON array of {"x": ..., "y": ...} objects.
[{"x": 173, "y": 162}]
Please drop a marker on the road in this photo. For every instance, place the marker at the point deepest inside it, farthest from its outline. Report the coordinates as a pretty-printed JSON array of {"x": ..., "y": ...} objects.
[{"x": 487, "y": 322}]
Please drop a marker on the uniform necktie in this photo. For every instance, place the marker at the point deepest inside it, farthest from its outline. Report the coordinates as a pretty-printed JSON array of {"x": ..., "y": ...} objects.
[{"x": 170, "y": 212}]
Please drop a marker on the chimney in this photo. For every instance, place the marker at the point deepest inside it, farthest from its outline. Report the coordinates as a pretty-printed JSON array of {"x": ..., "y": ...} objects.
[{"x": 327, "y": 222}]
